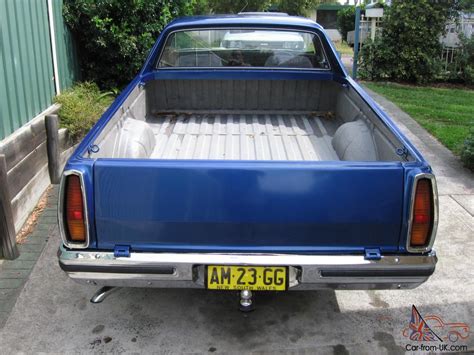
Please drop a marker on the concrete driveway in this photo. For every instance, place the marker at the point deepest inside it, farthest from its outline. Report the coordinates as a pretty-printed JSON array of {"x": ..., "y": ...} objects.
[{"x": 53, "y": 314}]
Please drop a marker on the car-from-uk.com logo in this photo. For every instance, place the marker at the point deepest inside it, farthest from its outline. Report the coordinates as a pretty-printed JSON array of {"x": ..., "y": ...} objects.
[{"x": 431, "y": 333}]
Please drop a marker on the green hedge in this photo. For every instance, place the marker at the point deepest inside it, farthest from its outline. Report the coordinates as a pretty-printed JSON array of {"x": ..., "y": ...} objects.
[
  {"x": 81, "y": 107},
  {"x": 115, "y": 36},
  {"x": 346, "y": 21},
  {"x": 467, "y": 152},
  {"x": 408, "y": 49},
  {"x": 462, "y": 68}
]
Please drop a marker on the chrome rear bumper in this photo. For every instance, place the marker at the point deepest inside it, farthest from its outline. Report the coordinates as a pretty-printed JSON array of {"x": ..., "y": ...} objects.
[{"x": 306, "y": 272}]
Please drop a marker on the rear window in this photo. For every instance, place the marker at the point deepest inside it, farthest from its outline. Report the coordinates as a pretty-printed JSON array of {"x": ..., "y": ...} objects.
[{"x": 215, "y": 48}]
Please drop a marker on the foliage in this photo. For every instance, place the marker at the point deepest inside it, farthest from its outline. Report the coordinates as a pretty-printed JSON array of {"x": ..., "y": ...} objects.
[
  {"x": 462, "y": 69},
  {"x": 114, "y": 36},
  {"x": 292, "y": 7},
  {"x": 467, "y": 151},
  {"x": 446, "y": 112},
  {"x": 201, "y": 7},
  {"x": 236, "y": 6},
  {"x": 466, "y": 60},
  {"x": 466, "y": 5},
  {"x": 81, "y": 106},
  {"x": 299, "y": 7},
  {"x": 343, "y": 48},
  {"x": 346, "y": 20},
  {"x": 408, "y": 48}
]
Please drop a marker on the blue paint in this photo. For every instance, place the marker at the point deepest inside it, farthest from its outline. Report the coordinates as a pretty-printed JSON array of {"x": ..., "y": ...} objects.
[
  {"x": 122, "y": 251},
  {"x": 309, "y": 207},
  {"x": 236, "y": 74},
  {"x": 225, "y": 205}
]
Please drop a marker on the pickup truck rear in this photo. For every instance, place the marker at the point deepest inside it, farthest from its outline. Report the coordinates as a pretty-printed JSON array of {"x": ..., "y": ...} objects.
[{"x": 243, "y": 157}]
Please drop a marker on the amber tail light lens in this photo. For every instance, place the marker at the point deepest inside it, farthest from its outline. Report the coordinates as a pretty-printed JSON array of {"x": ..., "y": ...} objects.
[
  {"x": 74, "y": 210},
  {"x": 422, "y": 214}
]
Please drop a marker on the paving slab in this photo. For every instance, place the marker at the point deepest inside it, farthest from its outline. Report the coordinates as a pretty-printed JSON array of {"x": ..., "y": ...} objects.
[
  {"x": 9, "y": 283},
  {"x": 18, "y": 265},
  {"x": 14, "y": 273},
  {"x": 466, "y": 201}
]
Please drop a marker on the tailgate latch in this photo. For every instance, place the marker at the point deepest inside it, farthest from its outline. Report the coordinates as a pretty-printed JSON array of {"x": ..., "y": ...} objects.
[
  {"x": 372, "y": 254},
  {"x": 122, "y": 251}
]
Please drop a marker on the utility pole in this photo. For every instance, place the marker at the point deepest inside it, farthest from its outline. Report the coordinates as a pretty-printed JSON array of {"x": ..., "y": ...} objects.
[{"x": 356, "y": 42}]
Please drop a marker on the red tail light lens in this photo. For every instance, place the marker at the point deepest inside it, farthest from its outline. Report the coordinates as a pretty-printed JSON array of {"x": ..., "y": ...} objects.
[
  {"x": 74, "y": 210},
  {"x": 422, "y": 214}
]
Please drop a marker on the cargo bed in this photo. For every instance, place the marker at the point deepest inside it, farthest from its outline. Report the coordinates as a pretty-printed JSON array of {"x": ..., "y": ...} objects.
[
  {"x": 187, "y": 162},
  {"x": 243, "y": 136},
  {"x": 280, "y": 120}
]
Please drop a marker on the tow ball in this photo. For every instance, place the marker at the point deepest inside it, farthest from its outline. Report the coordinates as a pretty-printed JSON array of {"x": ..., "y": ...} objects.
[{"x": 246, "y": 303}]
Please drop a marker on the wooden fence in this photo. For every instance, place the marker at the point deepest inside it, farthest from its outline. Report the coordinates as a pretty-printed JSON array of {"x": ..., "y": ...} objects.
[
  {"x": 30, "y": 160},
  {"x": 37, "y": 60}
]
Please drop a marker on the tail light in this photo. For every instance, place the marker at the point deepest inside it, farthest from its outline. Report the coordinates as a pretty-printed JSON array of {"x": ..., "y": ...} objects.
[
  {"x": 424, "y": 214},
  {"x": 72, "y": 212}
]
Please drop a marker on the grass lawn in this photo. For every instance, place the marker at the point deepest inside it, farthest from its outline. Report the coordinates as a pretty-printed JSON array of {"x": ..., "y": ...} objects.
[
  {"x": 444, "y": 112},
  {"x": 343, "y": 48}
]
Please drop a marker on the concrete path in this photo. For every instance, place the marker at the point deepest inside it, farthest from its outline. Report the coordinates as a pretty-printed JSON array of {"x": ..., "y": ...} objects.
[
  {"x": 14, "y": 273},
  {"x": 53, "y": 314},
  {"x": 348, "y": 61}
]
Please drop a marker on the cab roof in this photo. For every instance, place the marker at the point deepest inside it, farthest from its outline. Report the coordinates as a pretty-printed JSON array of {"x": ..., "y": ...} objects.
[{"x": 244, "y": 19}]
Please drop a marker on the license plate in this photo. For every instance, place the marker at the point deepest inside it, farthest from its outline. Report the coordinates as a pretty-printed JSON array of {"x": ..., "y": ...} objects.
[{"x": 254, "y": 278}]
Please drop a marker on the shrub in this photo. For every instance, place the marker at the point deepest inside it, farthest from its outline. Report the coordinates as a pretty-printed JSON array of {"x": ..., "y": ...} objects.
[
  {"x": 235, "y": 6},
  {"x": 374, "y": 56},
  {"x": 467, "y": 151},
  {"x": 115, "y": 36},
  {"x": 408, "y": 48},
  {"x": 346, "y": 21},
  {"x": 291, "y": 7},
  {"x": 81, "y": 107},
  {"x": 296, "y": 7},
  {"x": 462, "y": 69}
]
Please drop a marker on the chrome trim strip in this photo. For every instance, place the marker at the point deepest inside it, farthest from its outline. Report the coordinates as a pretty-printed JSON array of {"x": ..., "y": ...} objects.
[
  {"x": 137, "y": 258},
  {"x": 61, "y": 222},
  {"x": 189, "y": 270},
  {"x": 434, "y": 229}
]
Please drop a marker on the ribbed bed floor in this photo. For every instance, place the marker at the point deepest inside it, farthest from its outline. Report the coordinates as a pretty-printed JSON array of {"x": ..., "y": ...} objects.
[{"x": 243, "y": 137}]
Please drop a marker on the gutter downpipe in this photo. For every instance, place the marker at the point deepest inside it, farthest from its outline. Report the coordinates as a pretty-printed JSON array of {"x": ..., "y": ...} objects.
[{"x": 52, "y": 36}]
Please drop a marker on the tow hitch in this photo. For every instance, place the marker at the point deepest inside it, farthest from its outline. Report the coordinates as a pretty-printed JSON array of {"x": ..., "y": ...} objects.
[
  {"x": 102, "y": 294},
  {"x": 246, "y": 302}
]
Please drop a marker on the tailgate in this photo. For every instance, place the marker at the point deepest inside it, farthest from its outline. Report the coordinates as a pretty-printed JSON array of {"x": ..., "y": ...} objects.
[{"x": 247, "y": 206}]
